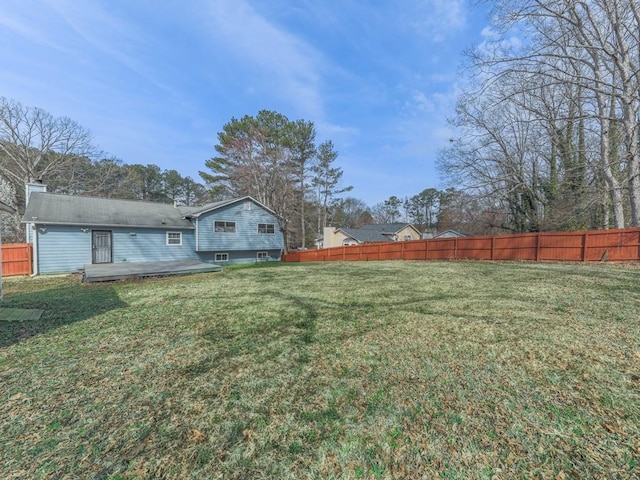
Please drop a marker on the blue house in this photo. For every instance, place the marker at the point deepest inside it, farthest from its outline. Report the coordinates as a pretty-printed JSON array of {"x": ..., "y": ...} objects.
[{"x": 69, "y": 232}]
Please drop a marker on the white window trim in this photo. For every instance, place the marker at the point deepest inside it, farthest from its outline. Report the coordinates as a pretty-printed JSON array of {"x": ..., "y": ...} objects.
[
  {"x": 174, "y": 244},
  {"x": 264, "y": 259},
  {"x": 266, "y": 233},
  {"x": 215, "y": 257},
  {"x": 235, "y": 227}
]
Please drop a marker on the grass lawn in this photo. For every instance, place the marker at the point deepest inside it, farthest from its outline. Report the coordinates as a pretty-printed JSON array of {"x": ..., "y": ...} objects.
[{"x": 456, "y": 370}]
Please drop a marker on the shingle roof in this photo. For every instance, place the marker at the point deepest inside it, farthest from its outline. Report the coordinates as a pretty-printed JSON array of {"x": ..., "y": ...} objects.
[
  {"x": 385, "y": 227},
  {"x": 52, "y": 208},
  {"x": 450, "y": 233},
  {"x": 197, "y": 211},
  {"x": 381, "y": 232}
]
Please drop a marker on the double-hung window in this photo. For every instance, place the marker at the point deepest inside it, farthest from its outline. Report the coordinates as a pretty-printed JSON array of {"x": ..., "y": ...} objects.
[
  {"x": 174, "y": 238},
  {"x": 220, "y": 226},
  {"x": 266, "y": 228}
]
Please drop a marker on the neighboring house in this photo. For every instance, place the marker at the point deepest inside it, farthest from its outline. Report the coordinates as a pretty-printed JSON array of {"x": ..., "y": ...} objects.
[
  {"x": 68, "y": 232},
  {"x": 385, "y": 232},
  {"x": 450, "y": 234}
]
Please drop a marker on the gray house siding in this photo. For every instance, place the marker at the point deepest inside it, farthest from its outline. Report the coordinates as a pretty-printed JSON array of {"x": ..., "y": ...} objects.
[
  {"x": 246, "y": 240},
  {"x": 68, "y": 248}
]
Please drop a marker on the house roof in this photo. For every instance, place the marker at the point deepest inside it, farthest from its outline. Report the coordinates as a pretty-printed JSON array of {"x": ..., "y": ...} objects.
[
  {"x": 381, "y": 232},
  {"x": 51, "y": 208},
  {"x": 193, "y": 212}
]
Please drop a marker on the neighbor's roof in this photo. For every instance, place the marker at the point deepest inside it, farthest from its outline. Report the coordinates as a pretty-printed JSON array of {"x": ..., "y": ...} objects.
[
  {"x": 51, "y": 208},
  {"x": 388, "y": 228},
  {"x": 381, "y": 232},
  {"x": 450, "y": 233}
]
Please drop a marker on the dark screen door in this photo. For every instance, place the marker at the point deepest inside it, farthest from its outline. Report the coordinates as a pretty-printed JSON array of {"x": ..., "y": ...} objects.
[{"x": 101, "y": 247}]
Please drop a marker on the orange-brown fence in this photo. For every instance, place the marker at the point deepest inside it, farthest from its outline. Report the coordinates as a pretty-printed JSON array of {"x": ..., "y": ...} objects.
[
  {"x": 620, "y": 245},
  {"x": 16, "y": 259}
]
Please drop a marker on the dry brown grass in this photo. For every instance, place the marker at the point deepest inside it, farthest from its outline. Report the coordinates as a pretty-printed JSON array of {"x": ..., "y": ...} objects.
[{"x": 363, "y": 370}]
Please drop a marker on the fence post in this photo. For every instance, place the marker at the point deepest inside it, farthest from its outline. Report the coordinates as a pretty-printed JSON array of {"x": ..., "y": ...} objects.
[
  {"x": 585, "y": 236},
  {"x": 378, "y": 251},
  {"x": 426, "y": 249},
  {"x": 493, "y": 239},
  {"x": 537, "y": 246},
  {"x": 455, "y": 248},
  {"x": 402, "y": 250}
]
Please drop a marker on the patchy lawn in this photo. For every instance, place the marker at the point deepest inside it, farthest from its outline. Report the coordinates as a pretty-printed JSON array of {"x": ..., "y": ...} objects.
[{"x": 457, "y": 370}]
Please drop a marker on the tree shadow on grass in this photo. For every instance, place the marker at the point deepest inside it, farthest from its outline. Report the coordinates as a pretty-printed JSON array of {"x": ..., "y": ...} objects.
[{"x": 61, "y": 305}]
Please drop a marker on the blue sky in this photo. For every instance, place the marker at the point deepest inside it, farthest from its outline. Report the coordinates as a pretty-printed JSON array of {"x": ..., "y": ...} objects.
[{"x": 156, "y": 80}]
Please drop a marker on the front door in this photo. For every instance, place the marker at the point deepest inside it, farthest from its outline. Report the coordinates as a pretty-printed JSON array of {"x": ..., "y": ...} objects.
[{"x": 101, "y": 246}]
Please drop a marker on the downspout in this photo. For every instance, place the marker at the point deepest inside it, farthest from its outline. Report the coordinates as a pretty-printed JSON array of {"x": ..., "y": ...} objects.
[
  {"x": 197, "y": 234},
  {"x": 35, "y": 249}
]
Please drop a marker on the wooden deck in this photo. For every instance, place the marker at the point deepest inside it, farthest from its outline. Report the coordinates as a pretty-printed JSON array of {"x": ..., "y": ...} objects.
[{"x": 119, "y": 271}]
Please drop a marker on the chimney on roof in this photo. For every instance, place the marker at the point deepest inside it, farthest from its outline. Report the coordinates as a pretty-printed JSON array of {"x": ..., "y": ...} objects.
[{"x": 36, "y": 186}]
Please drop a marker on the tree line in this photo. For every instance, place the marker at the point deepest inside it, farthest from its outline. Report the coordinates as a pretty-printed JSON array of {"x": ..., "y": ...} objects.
[
  {"x": 431, "y": 211},
  {"x": 547, "y": 135},
  {"x": 268, "y": 157},
  {"x": 37, "y": 146}
]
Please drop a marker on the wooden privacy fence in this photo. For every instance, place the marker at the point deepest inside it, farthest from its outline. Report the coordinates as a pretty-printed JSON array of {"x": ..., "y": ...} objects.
[
  {"x": 16, "y": 259},
  {"x": 620, "y": 245}
]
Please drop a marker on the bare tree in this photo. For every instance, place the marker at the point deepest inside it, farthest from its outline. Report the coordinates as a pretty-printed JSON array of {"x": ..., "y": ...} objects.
[
  {"x": 34, "y": 144},
  {"x": 576, "y": 74},
  {"x": 10, "y": 230}
]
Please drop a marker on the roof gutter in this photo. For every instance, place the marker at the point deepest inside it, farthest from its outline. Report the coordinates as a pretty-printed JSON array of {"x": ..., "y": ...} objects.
[{"x": 119, "y": 225}]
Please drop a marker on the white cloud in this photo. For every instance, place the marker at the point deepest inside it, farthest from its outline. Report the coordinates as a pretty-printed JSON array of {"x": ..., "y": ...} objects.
[
  {"x": 282, "y": 63},
  {"x": 439, "y": 19}
]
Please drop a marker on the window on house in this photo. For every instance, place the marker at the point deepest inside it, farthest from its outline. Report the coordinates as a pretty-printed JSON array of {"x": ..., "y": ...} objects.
[
  {"x": 247, "y": 205},
  {"x": 174, "y": 238},
  {"x": 266, "y": 228},
  {"x": 263, "y": 256},
  {"x": 222, "y": 257},
  {"x": 407, "y": 238},
  {"x": 224, "y": 227}
]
